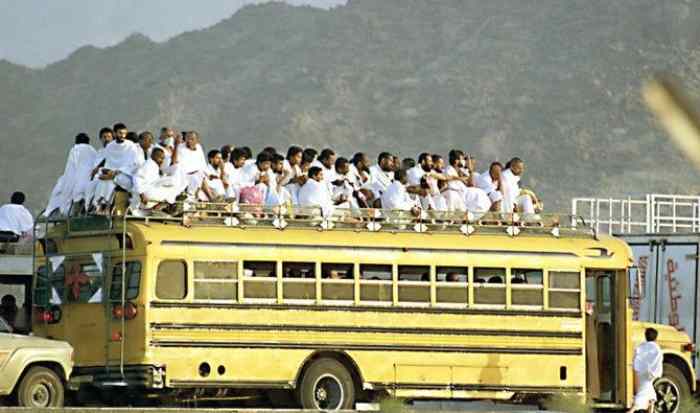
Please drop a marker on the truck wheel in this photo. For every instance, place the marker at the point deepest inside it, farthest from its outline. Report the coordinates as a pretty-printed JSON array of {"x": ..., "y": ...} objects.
[
  {"x": 40, "y": 387},
  {"x": 671, "y": 390},
  {"x": 327, "y": 385}
]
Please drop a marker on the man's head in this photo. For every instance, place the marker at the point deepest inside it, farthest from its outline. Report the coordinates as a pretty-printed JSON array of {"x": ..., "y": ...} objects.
[
  {"x": 158, "y": 156},
  {"x": 438, "y": 162},
  {"x": 361, "y": 161},
  {"x": 167, "y": 136},
  {"x": 191, "y": 140},
  {"x": 226, "y": 152},
  {"x": 456, "y": 158},
  {"x": 408, "y": 163},
  {"x": 238, "y": 158},
  {"x": 306, "y": 161},
  {"x": 8, "y": 307},
  {"x": 294, "y": 155},
  {"x": 651, "y": 334},
  {"x": 277, "y": 164},
  {"x": 311, "y": 152},
  {"x": 385, "y": 162},
  {"x": 133, "y": 137},
  {"x": 145, "y": 140},
  {"x": 401, "y": 176},
  {"x": 395, "y": 162},
  {"x": 106, "y": 136},
  {"x": 17, "y": 198},
  {"x": 495, "y": 170},
  {"x": 425, "y": 161},
  {"x": 214, "y": 157},
  {"x": 316, "y": 173},
  {"x": 327, "y": 158},
  {"x": 342, "y": 166},
  {"x": 264, "y": 161},
  {"x": 82, "y": 138},
  {"x": 517, "y": 166},
  {"x": 248, "y": 153},
  {"x": 120, "y": 131},
  {"x": 270, "y": 150}
]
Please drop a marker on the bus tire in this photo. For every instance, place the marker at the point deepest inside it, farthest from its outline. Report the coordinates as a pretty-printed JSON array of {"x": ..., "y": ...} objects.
[
  {"x": 327, "y": 385},
  {"x": 40, "y": 387},
  {"x": 672, "y": 389}
]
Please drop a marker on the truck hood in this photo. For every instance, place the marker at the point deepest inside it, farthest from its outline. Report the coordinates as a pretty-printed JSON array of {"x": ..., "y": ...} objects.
[
  {"x": 22, "y": 341},
  {"x": 669, "y": 337}
]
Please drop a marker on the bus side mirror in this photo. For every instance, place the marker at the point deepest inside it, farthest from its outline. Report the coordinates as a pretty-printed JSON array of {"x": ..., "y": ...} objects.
[{"x": 634, "y": 282}]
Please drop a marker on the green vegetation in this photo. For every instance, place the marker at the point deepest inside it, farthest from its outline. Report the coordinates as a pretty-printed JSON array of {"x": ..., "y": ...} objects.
[{"x": 555, "y": 82}]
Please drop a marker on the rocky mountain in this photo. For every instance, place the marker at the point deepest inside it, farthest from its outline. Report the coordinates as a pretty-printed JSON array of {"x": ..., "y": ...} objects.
[{"x": 554, "y": 82}]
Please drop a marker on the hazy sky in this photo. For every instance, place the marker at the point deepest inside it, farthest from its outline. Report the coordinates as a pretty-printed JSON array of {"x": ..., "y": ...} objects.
[{"x": 39, "y": 32}]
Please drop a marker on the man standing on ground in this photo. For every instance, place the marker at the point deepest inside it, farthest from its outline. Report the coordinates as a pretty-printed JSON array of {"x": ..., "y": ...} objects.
[{"x": 648, "y": 366}]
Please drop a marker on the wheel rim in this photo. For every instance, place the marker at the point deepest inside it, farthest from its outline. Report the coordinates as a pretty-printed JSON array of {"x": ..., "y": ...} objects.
[
  {"x": 667, "y": 396},
  {"x": 328, "y": 393},
  {"x": 40, "y": 394}
]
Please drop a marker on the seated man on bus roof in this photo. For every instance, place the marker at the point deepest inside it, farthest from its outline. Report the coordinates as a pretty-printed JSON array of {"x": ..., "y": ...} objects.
[
  {"x": 189, "y": 156},
  {"x": 315, "y": 193},
  {"x": 217, "y": 186},
  {"x": 513, "y": 201},
  {"x": 153, "y": 186},
  {"x": 396, "y": 196},
  {"x": 16, "y": 221},
  {"x": 121, "y": 160},
  {"x": 381, "y": 174},
  {"x": 277, "y": 193}
]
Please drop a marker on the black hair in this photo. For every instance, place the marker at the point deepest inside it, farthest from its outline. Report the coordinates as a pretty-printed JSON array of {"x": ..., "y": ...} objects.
[
  {"x": 436, "y": 157},
  {"x": 512, "y": 161},
  {"x": 17, "y": 198},
  {"x": 306, "y": 158},
  {"x": 313, "y": 171},
  {"x": 212, "y": 153},
  {"x": 400, "y": 175},
  {"x": 326, "y": 154},
  {"x": 382, "y": 156},
  {"x": 340, "y": 162},
  {"x": 311, "y": 152},
  {"x": 356, "y": 158},
  {"x": 277, "y": 158},
  {"x": 454, "y": 156},
  {"x": 82, "y": 138},
  {"x": 237, "y": 153},
  {"x": 157, "y": 150},
  {"x": 143, "y": 135},
  {"x": 270, "y": 150},
  {"x": 105, "y": 130},
  {"x": 494, "y": 163},
  {"x": 226, "y": 149},
  {"x": 408, "y": 163},
  {"x": 248, "y": 153},
  {"x": 263, "y": 157},
  {"x": 422, "y": 157},
  {"x": 650, "y": 334},
  {"x": 293, "y": 150},
  {"x": 117, "y": 126},
  {"x": 132, "y": 136}
]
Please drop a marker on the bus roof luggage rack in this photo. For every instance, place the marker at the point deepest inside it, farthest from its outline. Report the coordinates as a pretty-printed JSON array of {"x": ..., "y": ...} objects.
[
  {"x": 199, "y": 214},
  {"x": 653, "y": 214}
]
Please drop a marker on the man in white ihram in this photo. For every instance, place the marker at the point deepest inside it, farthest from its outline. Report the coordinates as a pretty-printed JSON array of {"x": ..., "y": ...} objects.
[
  {"x": 315, "y": 193},
  {"x": 16, "y": 222},
  {"x": 510, "y": 187},
  {"x": 73, "y": 185},
  {"x": 154, "y": 184},
  {"x": 648, "y": 366}
]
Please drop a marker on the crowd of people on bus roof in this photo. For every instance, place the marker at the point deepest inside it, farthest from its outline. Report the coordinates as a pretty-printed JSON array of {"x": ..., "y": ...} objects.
[{"x": 158, "y": 173}]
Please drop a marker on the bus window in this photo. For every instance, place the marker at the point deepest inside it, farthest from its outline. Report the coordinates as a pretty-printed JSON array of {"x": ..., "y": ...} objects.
[
  {"x": 375, "y": 283},
  {"x": 83, "y": 281},
  {"x": 414, "y": 284},
  {"x": 215, "y": 280},
  {"x": 299, "y": 280},
  {"x": 452, "y": 285},
  {"x": 490, "y": 286},
  {"x": 337, "y": 282},
  {"x": 565, "y": 290},
  {"x": 133, "y": 281},
  {"x": 171, "y": 280},
  {"x": 260, "y": 280},
  {"x": 526, "y": 287}
]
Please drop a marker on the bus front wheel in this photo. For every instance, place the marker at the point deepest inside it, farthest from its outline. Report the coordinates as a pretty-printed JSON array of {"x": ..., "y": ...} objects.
[
  {"x": 671, "y": 390},
  {"x": 40, "y": 387},
  {"x": 327, "y": 385}
]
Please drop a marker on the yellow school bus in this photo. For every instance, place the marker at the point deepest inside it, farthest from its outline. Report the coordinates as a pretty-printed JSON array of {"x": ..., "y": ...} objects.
[{"x": 225, "y": 303}]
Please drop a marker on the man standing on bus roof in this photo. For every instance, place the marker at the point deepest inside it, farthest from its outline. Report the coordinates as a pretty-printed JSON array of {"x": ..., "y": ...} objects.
[{"x": 648, "y": 366}]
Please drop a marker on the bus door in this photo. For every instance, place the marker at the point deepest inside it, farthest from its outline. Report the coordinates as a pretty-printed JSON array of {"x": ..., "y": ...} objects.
[{"x": 605, "y": 329}]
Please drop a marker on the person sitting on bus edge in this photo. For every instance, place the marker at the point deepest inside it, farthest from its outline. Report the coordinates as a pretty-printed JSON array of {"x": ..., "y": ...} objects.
[
  {"x": 315, "y": 193},
  {"x": 381, "y": 174},
  {"x": 189, "y": 157},
  {"x": 16, "y": 222},
  {"x": 155, "y": 185},
  {"x": 326, "y": 161},
  {"x": 277, "y": 193},
  {"x": 219, "y": 188},
  {"x": 648, "y": 366},
  {"x": 396, "y": 196},
  {"x": 510, "y": 187},
  {"x": 294, "y": 178},
  {"x": 359, "y": 168}
]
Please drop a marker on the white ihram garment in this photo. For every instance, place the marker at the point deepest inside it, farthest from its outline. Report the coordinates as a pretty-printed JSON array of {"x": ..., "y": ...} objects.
[
  {"x": 216, "y": 185},
  {"x": 648, "y": 365},
  {"x": 157, "y": 187},
  {"x": 73, "y": 185},
  {"x": 16, "y": 218},
  {"x": 510, "y": 187},
  {"x": 396, "y": 197},
  {"x": 379, "y": 180},
  {"x": 316, "y": 194},
  {"x": 124, "y": 157},
  {"x": 193, "y": 165}
]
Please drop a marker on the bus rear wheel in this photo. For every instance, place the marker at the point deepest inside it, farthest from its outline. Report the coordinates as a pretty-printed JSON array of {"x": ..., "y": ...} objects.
[
  {"x": 40, "y": 387},
  {"x": 327, "y": 385},
  {"x": 671, "y": 390}
]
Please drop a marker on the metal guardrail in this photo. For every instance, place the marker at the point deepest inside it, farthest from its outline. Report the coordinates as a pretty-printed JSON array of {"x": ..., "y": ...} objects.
[{"x": 655, "y": 213}]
